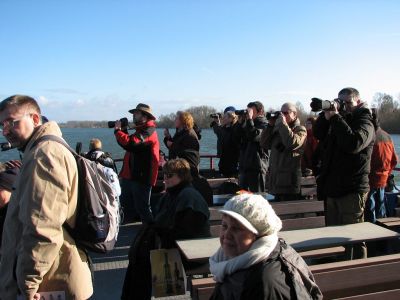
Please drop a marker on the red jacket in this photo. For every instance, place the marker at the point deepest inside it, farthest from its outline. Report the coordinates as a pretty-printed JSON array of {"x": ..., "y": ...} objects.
[
  {"x": 142, "y": 153},
  {"x": 309, "y": 150},
  {"x": 383, "y": 159}
]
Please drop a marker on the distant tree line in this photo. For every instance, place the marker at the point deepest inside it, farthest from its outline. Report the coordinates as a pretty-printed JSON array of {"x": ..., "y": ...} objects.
[
  {"x": 388, "y": 111},
  {"x": 84, "y": 124}
]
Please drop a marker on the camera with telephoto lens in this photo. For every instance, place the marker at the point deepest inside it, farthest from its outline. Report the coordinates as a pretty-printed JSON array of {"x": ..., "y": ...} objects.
[
  {"x": 124, "y": 123},
  {"x": 6, "y": 146},
  {"x": 217, "y": 115},
  {"x": 272, "y": 115},
  {"x": 318, "y": 104},
  {"x": 241, "y": 112}
]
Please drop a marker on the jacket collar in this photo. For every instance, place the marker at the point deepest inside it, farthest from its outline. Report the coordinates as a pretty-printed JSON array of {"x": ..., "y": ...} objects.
[{"x": 49, "y": 128}]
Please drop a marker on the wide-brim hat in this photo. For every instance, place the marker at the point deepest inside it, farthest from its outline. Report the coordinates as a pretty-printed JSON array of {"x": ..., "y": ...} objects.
[{"x": 144, "y": 108}]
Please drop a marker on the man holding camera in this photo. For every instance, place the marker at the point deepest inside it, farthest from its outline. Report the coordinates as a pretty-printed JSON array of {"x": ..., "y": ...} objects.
[
  {"x": 253, "y": 160},
  {"x": 140, "y": 166},
  {"x": 227, "y": 145},
  {"x": 285, "y": 138},
  {"x": 347, "y": 134}
]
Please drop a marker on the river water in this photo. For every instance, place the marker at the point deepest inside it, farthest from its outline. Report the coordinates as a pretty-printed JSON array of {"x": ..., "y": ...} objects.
[{"x": 208, "y": 143}]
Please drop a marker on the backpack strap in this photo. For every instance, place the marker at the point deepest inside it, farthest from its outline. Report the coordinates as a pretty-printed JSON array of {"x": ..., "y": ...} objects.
[
  {"x": 57, "y": 139},
  {"x": 61, "y": 141}
]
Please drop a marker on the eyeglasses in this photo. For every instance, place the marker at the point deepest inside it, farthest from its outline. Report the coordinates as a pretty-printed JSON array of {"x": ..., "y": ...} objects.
[
  {"x": 169, "y": 175},
  {"x": 285, "y": 112},
  {"x": 12, "y": 123}
]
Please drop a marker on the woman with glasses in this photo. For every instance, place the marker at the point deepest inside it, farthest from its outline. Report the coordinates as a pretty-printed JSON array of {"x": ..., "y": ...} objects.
[{"x": 183, "y": 214}]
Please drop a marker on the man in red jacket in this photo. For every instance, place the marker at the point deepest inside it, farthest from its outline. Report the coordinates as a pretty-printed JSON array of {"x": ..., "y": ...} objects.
[
  {"x": 383, "y": 161},
  {"x": 140, "y": 166}
]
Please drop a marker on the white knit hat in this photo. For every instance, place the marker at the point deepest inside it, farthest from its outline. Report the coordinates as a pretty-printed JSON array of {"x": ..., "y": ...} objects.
[{"x": 254, "y": 212}]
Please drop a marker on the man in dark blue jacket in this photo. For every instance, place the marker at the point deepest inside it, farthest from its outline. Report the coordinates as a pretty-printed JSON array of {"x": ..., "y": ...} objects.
[{"x": 347, "y": 133}]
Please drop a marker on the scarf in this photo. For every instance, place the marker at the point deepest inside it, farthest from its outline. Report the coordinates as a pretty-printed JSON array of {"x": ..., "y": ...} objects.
[{"x": 221, "y": 266}]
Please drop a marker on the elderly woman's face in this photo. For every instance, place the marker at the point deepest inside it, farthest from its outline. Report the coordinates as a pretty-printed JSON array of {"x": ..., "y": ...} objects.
[
  {"x": 171, "y": 180},
  {"x": 234, "y": 237}
]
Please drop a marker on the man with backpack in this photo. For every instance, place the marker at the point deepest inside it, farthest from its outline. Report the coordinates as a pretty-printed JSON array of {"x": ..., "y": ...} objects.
[
  {"x": 39, "y": 256},
  {"x": 140, "y": 166}
]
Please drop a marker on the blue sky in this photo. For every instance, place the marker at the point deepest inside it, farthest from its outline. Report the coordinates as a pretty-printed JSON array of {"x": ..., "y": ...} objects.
[{"x": 94, "y": 60}]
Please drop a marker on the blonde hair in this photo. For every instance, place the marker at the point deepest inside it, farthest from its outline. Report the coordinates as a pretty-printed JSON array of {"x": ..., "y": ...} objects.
[
  {"x": 186, "y": 119},
  {"x": 95, "y": 144}
]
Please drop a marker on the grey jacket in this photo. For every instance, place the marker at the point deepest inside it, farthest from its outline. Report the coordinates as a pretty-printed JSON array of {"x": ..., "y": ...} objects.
[{"x": 286, "y": 143}]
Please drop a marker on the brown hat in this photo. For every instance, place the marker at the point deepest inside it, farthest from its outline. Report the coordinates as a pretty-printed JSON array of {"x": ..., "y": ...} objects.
[{"x": 144, "y": 108}]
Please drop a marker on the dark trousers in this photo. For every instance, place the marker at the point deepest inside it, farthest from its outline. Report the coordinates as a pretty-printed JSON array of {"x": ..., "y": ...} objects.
[
  {"x": 135, "y": 201},
  {"x": 348, "y": 209},
  {"x": 253, "y": 181}
]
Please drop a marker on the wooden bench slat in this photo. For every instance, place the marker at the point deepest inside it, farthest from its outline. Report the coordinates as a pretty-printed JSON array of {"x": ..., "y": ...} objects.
[
  {"x": 341, "y": 265},
  {"x": 359, "y": 280},
  {"x": 331, "y": 251},
  {"x": 297, "y": 207},
  {"x": 309, "y": 180},
  {"x": 387, "y": 295},
  {"x": 303, "y": 223}
]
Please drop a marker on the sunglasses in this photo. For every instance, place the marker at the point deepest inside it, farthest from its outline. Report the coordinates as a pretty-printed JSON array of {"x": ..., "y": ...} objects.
[
  {"x": 169, "y": 175},
  {"x": 285, "y": 112}
]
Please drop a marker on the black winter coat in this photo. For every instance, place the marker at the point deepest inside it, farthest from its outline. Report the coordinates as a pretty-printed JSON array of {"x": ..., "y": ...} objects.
[
  {"x": 183, "y": 215},
  {"x": 252, "y": 157},
  {"x": 346, "y": 144},
  {"x": 228, "y": 150},
  {"x": 276, "y": 278},
  {"x": 185, "y": 144}
]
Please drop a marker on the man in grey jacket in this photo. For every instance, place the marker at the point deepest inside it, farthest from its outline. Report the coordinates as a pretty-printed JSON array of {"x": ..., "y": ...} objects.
[{"x": 285, "y": 137}]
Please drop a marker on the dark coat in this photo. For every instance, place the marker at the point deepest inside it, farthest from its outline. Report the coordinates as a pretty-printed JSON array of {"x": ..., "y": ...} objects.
[
  {"x": 228, "y": 150},
  {"x": 283, "y": 275},
  {"x": 183, "y": 214},
  {"x": 253, "y": 158},
  {"x": 347, "y": 143},
  {"x": 185, "y": 144}
]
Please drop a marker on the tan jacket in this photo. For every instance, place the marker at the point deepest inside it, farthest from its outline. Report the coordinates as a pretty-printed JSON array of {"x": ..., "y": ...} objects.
[
  {"x": 38, "y": 255},
  {"x": 286, "y": 145}
]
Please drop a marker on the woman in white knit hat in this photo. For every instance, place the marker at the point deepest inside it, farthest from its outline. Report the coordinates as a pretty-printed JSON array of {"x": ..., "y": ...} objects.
[{"x": 252, "y": 262}]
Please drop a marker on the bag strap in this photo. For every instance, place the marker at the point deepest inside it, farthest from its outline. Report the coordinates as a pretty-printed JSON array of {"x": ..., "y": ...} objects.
[
  {"x": 61, "y": 141},
  {"x": 57, "y": 139}
]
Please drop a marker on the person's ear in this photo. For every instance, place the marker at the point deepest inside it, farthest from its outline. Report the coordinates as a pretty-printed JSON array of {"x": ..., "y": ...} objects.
[{"x": 37, "y": 120}]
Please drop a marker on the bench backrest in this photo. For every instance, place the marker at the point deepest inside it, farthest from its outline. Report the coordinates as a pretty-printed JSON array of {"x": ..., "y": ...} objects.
[
  {"x": 283, "y": 209},
  {"x": 287, "y": 224}
]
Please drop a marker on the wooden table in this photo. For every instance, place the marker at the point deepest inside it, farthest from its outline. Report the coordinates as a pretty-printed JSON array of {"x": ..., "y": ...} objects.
[{"x": 301, "y": 240}]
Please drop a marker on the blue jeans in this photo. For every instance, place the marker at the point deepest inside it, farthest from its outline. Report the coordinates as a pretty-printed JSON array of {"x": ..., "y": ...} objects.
[
  {"x": 376, "y": 205},
  {"x": 135, "y": 201}
]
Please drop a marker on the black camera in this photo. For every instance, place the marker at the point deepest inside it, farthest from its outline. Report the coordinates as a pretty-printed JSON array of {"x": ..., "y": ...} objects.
[
  {"x": 326, "y": 105},
  {"x": 272, "y": 115},
  {"x": 124, "y": 123},
  {"x": 217, "y": 115},
  {"x": 241, "y": 112},
  {"x": 6, "y": 146}
]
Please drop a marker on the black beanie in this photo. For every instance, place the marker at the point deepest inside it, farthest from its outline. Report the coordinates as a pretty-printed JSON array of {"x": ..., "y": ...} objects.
[{"x": 7, "y": 178}]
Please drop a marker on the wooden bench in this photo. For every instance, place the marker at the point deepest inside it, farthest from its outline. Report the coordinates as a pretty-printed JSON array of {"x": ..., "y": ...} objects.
[
  {"x": 392, "y": 223},
  {"x": 354, "y": 278},
  {"x": 370, "y": 278},
  {"x": 288, "y": 211}
]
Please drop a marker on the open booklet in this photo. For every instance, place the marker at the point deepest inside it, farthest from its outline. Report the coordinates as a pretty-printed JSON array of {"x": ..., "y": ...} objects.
[{"x": 168, "y": 275}]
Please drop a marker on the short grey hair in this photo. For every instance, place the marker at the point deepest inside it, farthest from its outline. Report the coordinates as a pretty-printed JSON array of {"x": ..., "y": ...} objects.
[{"x": 290, "y": 106}]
